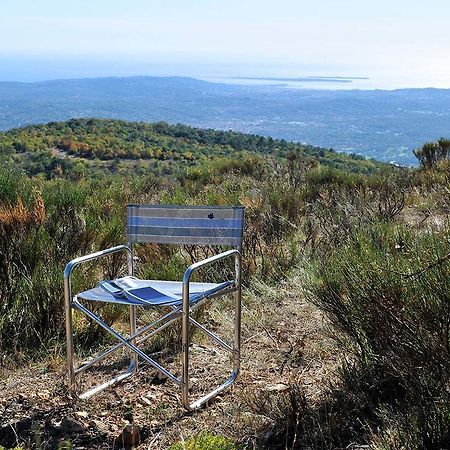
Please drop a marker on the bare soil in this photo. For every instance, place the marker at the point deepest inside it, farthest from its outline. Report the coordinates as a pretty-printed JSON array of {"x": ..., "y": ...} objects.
[{"x": 285, "y": 341}]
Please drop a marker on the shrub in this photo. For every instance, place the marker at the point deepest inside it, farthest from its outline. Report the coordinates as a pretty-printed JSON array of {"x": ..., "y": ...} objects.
[
  {"x": 433, "y": 152},
  {"x": 388, "y": 291},
  {"x": 286, "y": 412},
  {"x": 205, "y": 441}
]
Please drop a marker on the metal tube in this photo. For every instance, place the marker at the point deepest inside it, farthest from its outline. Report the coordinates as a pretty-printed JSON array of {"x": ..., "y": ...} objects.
[
  {"x": 132, "y": 342},
  {"x": 133, "y": 356},
  {"x": 101, "y": 387},
  {"x": 175, "y": 312},
  {"x": 130, "y": 262},
  {"x": 185, "y": 328},
  {"x": 120, "y": 338},
  {"x": 212, "y": 336},
  {"x": 141, "y": 331},
  {"x": 237, "y": 314},
  {"x": 68, "y": 304},
  {"x": 213, "y": 393},
  {"x": 69, "y": 330},
  {"x": 82, "y": 259},
  {"x": 185, "y": 344}
]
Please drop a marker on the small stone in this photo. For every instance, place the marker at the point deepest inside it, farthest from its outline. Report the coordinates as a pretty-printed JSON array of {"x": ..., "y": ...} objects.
[
  {"x": 216, "y": 399},
  {"x": 192, "y": 382},
  {"x": 129, "y": 437},
  {"x": 82, "y": 414},
  {"x": 71, "y": 425},
  {"x": 280, "y": 387},
  {"x": 44, "y": 394},
  {"x": 145, "y": 401}
]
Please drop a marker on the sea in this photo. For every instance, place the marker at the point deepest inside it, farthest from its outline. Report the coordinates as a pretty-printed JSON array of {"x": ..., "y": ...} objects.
[{"x": 282, "y": 75}]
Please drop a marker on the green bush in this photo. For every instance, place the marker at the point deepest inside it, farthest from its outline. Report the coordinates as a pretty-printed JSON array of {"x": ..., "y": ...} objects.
[
  {"x": 388, "y": 291},
  {"x": 432, "y": 153},
  {"x": 205, "y": 441}
]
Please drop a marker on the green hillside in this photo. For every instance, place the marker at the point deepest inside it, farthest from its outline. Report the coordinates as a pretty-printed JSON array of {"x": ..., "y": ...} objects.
[{"x": 81, "y": 145}]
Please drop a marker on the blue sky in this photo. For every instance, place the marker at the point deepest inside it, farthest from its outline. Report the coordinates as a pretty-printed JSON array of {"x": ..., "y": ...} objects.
[{"x": 406, "y": 38}]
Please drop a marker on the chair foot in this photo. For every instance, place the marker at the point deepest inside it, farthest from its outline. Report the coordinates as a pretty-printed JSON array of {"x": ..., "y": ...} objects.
[
  {"x": 201, "y": 401},
  {"x": 101, "y": 387}
]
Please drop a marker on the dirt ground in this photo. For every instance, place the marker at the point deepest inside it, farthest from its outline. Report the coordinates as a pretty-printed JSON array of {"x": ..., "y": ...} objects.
[{"x": 284, "y": 341}]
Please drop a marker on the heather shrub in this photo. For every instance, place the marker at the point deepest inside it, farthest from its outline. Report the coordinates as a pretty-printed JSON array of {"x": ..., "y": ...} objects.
[
  {"x": 387, "y": 291},
  {"x": 40, "y": 231}
]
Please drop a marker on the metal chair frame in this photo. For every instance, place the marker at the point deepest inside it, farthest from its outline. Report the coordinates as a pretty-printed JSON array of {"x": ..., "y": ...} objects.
[{"x": 181, "y": 311}]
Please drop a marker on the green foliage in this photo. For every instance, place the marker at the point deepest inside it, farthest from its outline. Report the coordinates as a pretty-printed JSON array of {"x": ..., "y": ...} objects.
[
  {"x": 388, "y": 291},
  {"x": 42, "y": 226},
  {"x": 87, "y": 214},
  {"x": 381, "y": 279},
  {"x": 112, "y": 146},
  {"x": 205, "y": 441},
  {"x": 433, "y": 152}
]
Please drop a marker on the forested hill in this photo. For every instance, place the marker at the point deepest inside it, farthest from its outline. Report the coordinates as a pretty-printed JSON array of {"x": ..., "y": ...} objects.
[{"x": 109, "y": 144}]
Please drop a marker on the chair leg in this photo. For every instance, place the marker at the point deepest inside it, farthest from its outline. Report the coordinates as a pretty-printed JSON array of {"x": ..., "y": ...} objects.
[
  {"x": 185, "y": 347},
  {"x": 133, "y": 355},
  {"x": 237, "y": 330},
  {"x": 69, "y": 333},
  {"x": 186, "y": 321},
  {"x": 134, "y": 358},
  {"x": 237, "y": 314}
]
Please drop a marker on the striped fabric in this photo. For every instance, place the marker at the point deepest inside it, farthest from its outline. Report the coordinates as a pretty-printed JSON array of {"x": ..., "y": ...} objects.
[{"x": 185, "y": 225}]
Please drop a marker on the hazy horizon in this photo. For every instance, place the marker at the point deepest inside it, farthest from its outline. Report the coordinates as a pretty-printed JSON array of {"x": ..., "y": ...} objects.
[
  {"x": 390, "y": 45},
  {"x": 313, "y": 77}
]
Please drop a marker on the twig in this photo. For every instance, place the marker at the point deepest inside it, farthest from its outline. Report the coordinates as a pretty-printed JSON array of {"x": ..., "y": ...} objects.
[{"x": 426, "y": 269}]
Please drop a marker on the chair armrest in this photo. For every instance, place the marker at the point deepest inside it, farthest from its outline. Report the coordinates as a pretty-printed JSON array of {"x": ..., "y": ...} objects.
[
  {"x": 82, "y": 259},
  {"x": 206, "y": 262}
]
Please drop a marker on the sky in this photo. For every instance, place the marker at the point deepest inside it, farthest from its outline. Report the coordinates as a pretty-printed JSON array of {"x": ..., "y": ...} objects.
[{"x": 397, "y": 41}]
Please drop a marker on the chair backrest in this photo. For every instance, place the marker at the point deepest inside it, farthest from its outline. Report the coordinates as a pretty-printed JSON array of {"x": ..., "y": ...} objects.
[{"x": 186, "y": 225}]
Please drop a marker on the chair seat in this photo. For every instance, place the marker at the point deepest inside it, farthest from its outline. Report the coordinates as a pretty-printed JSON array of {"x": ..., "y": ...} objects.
[{"x": 134, "y": 291}]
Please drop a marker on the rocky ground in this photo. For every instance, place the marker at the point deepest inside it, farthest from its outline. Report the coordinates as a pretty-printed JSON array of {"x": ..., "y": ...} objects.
[{"x": 285, "y": 341}]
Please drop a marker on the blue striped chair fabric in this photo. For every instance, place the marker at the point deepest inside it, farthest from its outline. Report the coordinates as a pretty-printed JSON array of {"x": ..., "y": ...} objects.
[
  {"x": 183, "y": 225},
  {"x": 186, "y": 225},
  {"x": 134, "y": 291}
]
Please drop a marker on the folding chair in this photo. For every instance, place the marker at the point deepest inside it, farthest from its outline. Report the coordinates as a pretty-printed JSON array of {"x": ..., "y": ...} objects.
[{"x": 182, "y": 225}]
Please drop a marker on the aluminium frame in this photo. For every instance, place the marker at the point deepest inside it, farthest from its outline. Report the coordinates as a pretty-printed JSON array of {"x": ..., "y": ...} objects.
[{"x": 182, "y": 312}]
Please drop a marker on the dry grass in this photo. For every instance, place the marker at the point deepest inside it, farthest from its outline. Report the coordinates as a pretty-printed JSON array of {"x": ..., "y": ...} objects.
[{"x": 19, "y": 214}]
